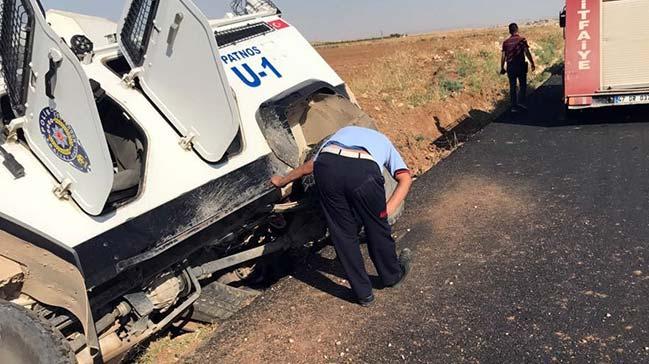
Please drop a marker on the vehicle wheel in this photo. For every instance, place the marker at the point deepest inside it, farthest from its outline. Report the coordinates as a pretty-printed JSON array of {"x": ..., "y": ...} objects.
[
  {"x": 24, "y": 338},
  {"x": 308, "y": 184}
]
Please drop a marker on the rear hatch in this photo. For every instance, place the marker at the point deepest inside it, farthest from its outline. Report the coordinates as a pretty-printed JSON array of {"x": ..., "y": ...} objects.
[
  {"x": 625, "y": 44},
  {"x": 172, "y": 46},
  {"x": 51, "y": 94}
]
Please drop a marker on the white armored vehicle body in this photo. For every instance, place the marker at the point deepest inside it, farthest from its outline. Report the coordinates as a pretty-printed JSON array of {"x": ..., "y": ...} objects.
[{"x": 137, "y": 160}]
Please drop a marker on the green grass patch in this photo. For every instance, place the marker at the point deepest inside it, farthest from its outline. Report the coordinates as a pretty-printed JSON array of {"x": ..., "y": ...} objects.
[
  {"x": 550, "y": 49},
  {"x": 466, "y": 65},
  {"x": 417, "y": 99},
  {"x": 481, "y": 72},
  {"x": 448, "y": 86}
]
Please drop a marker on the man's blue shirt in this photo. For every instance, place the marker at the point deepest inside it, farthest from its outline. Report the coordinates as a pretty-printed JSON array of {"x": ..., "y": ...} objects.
[{"x": 376, "y": 144}]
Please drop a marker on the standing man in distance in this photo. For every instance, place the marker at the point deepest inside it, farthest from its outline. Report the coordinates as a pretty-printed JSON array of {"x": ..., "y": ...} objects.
[
  {"x": 515, "y": 50},
  {"x": 349, "y": 179}
]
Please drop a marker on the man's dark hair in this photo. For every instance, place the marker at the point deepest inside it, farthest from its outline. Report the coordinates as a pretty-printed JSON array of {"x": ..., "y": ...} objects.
[{"x": 513, "y": 28}]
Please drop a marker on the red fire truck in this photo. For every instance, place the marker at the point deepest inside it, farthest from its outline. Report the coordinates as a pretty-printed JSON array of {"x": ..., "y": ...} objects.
[{"x": 606, "y": 52}]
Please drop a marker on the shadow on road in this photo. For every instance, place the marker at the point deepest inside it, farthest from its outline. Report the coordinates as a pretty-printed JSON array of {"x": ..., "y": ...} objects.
[
  {"x": 477, "y": 119},
  {"x": 547, "y": 109},
  {"x": 324, "y": 272},
  {"x": 469, "y": 126}
]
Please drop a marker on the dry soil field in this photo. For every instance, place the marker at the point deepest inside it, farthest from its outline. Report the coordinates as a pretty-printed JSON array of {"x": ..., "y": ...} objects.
[{"x": 407, "y": 84}]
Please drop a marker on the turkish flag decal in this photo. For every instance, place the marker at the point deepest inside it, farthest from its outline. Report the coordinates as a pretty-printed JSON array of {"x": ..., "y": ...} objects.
[{"x": 278, "y": 24}]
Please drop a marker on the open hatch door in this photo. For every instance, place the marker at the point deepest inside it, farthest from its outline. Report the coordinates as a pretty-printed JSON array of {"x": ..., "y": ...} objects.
[
  {"x": 51, "y": 96},
  {"x": 174, "y": 54}
]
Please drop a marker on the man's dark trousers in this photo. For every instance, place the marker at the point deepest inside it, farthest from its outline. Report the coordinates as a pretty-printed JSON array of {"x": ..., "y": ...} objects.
[
  {"x": 352, "y": 193},
  {"x": 517, "y": 73}
]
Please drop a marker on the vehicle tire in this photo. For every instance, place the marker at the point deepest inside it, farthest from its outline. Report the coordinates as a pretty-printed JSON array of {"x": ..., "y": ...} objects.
[
  {"x": 24, "y": 338},
  {"x": 308, "y": 185}
]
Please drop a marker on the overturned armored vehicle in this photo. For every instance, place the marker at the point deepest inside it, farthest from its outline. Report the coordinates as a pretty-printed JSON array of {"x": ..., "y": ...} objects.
[{"x": 136, "y": 165}]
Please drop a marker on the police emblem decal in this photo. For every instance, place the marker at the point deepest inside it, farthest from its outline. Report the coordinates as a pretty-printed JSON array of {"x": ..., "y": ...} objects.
[{"x": 62, "y": 140}]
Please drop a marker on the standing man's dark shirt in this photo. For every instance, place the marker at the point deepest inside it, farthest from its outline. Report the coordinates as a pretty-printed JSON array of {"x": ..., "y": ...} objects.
[{"x": 514, "y": 48}]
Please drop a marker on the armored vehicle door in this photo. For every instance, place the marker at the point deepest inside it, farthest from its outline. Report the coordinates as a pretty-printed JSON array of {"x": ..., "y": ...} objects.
[
  {"x": 174, "y": 54},
  {"x": 51, "y": 96}
]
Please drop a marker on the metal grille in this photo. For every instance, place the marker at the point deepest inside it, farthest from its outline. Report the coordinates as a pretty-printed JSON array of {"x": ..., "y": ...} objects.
[
  {"x": 16, "y": 25},
  {"x": 238, "y": 7},
  {"x": 231, "y": 36},
  {"x": 243, "y": 7},
  {"x": 137, "y": 29}
]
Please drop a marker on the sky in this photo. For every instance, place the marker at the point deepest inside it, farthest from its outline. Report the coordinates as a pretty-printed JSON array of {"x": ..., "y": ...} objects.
[{"x": 330, "y": 20}]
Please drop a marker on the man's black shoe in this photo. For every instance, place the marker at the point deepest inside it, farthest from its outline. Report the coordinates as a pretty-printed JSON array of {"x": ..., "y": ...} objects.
[
  {"x": 405, "y": 260},
  {"x": 366, "y": 302}
]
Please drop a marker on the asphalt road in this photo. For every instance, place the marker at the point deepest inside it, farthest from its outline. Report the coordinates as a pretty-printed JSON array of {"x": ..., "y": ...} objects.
[{"x": 531, "y": 245}]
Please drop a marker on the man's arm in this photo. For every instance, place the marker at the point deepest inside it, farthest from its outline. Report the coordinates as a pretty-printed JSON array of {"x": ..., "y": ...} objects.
[
  {"x": 503, "y": 58},
  {"x": 294, "y": 175},
  {"x": 528, "y": 54},
  {"x": 404, "y": 182}
]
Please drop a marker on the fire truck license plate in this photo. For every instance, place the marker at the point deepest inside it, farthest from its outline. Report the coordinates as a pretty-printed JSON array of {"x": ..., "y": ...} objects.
[{"x": 631, "y": 99}]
